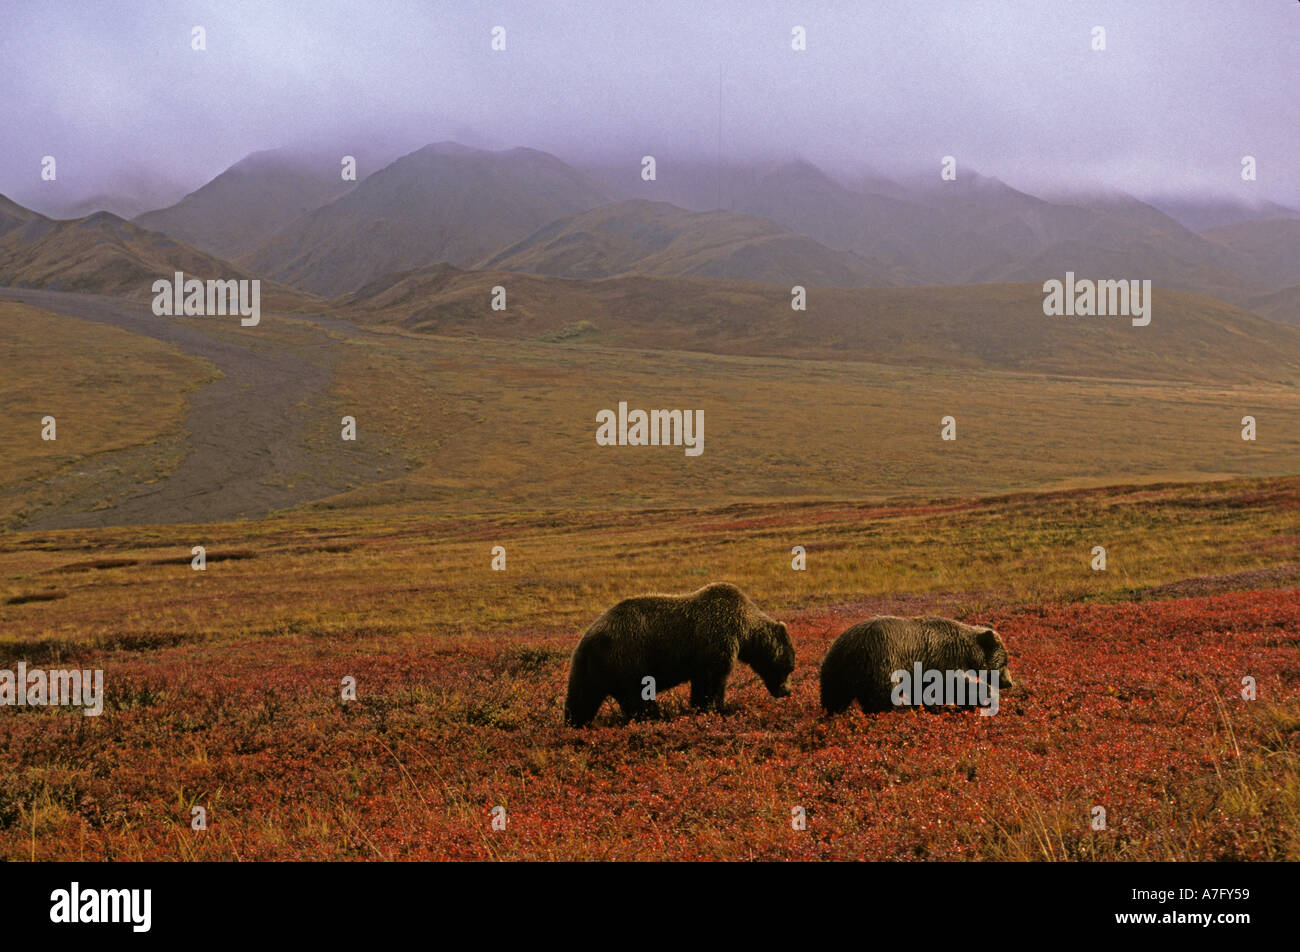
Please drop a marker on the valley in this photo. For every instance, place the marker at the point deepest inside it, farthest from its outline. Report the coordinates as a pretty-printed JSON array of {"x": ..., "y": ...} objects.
[{"x": 410, "y": 504}]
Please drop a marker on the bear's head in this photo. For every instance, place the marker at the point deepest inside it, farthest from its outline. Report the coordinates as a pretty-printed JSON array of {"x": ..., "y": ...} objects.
[
  {"x": 774, "y": 662},
  {"x": 995, "y": 656}
]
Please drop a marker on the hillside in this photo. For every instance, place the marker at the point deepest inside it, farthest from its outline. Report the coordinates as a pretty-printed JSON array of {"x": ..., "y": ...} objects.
[
  {"x": 1268, "y": 252},
  {"x": 15, "y": 217},
  {"x": 1101, "y": 235},
  {"x": 444, "y": 202},
  {"x": 1282, "y": 306},
  {"x": 249, "y": 202},
  {"x": 906, "y": 237},
  {"x": 977, "y": 326},
  {"x": 656, "y": 238}
]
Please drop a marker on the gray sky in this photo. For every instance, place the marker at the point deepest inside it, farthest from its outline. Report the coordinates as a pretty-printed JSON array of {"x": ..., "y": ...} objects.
[{"x": 1184, "y": 89}]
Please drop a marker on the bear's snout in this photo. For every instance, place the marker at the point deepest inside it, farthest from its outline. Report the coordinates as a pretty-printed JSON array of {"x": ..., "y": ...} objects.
[
  {"x": 1005, "y": 681},
  {"x": 781, "y": 690}
]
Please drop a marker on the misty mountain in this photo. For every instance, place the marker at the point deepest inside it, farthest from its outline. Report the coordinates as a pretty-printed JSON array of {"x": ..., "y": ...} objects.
[
  {"x": 444, "y": 202},
  {"x": 1113, "y": 235},
  {"x": 947, "y": 232},
  {"x": 687, "y": 183},
  {"x": 877, "y": 222},
  {"x": 789, "y": 223},
  {"x": 656, "y": 238},
  {"x": 249, "y": 202},
  {"x": 977, "y": 229},
  {"x": 972, "y": 230},
  {"x": 1203, "y": 214},
  {"x": 905, "y": 237},
  {"x": 124, "y": 192}
]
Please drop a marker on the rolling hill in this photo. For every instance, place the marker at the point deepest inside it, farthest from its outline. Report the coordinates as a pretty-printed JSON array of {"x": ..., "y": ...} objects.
[
  {"x": 105, "y": 254},
  {"x": 992, "y": 326},
  {"x": 444, "y": 202},
  {"x": 656, "y": 238}
]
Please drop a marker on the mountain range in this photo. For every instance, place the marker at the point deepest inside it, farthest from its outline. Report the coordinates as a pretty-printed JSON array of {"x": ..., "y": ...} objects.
[{"x": 291, "y": 219}]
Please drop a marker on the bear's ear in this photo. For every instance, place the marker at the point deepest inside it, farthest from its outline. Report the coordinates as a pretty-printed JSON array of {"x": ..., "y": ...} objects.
[{"x": 988, "y": 640}]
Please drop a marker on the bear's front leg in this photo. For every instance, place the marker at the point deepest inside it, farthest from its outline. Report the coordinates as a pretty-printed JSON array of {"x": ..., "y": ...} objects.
[
  {"x": 635, "y": 706},
  {"x": 709, "y": 688}
]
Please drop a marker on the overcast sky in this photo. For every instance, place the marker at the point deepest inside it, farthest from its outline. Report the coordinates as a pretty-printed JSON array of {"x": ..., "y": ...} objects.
[{"x": 1184, "y": 89}]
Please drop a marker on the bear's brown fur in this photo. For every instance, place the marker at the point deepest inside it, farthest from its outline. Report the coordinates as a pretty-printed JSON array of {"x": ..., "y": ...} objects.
[
  {"x": 675, "y": 639},
  {"x": 860, "y": 665}
]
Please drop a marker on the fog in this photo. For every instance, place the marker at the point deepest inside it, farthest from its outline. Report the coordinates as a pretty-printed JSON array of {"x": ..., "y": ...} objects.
[{"x": 1183, "y": 90}]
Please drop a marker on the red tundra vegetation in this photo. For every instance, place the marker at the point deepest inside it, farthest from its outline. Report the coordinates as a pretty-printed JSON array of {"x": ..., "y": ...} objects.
[{"x": 223, "y": 689}]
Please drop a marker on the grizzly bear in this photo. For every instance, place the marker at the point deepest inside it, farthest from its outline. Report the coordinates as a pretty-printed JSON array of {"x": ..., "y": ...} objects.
[
  {"x": 861, "y": 665},
  {"x": 674, "y": 639}
]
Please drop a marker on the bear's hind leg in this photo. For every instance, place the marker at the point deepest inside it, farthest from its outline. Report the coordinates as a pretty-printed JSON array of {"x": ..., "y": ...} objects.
[{"x": 873, "y": 703}]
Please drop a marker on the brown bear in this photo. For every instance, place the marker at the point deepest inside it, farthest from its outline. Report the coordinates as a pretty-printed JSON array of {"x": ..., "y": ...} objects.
[
  {"x": 674, "y": 639},
  {"x": 861, "y": 665}
]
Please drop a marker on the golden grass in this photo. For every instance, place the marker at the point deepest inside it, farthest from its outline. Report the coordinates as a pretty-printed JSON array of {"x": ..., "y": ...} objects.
[
  {"x": 109, "y": 391},
  {"x": 489, "y": 425},
  {"x": 413, "y": 572}
]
